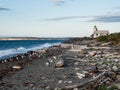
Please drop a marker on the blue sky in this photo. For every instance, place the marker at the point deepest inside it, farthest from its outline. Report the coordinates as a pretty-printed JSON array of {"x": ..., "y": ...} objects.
[{"x": 58, "y": 18}]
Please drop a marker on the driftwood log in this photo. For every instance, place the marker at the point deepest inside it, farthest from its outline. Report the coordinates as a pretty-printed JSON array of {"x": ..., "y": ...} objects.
[{"x": 91, "y": 84}]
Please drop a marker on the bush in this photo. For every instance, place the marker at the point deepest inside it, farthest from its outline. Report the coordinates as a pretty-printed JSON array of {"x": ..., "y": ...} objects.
[
  {"x": 102, "y": 87},
  {"x": 115, "y": 38},
  {"x": 102, "y": 38},
  {"x": 113, "y": 87}
]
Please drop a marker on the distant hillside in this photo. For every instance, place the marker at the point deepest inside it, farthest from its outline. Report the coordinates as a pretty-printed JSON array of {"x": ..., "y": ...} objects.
[
  {"x": 27, "y": 38},
  {"x": 20, "y": 38},
  {"x": 114, "y": 38}
]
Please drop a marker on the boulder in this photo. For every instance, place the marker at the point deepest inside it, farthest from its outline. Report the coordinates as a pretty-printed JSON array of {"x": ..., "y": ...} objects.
[{"x": 59, "y": 63}]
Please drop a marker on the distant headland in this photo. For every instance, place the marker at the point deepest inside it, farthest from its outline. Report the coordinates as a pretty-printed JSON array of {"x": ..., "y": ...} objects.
[{"x": 27, "y": 38}]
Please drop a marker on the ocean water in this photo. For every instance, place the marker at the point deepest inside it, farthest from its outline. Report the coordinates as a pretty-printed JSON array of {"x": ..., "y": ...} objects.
[{"x": 11, "y": 48}]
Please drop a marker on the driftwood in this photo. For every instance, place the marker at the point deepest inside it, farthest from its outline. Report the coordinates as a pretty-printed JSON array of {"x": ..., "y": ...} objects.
[
  {"x": 79, "y": 60},
  {"x": 107, "y": 79},
  {"x": 95, "y": 82},
  {"x": 84, "y": 83},
  {"x": 16, "y": 67}
]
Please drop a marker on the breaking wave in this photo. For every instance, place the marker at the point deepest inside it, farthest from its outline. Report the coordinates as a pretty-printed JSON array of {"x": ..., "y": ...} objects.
[{"x": 19, "y": 50}]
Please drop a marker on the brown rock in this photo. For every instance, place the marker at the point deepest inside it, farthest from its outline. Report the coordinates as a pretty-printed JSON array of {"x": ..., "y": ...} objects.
[
  {"x": 92, "y": 53},
  {"x": 118, "y": 78}
]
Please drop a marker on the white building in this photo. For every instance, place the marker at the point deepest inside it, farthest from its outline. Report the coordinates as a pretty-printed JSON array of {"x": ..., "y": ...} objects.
[{"x": 97, "y": 33}]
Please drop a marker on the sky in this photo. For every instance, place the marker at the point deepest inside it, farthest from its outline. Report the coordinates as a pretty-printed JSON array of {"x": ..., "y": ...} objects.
[{"x": 58, "y": 18}]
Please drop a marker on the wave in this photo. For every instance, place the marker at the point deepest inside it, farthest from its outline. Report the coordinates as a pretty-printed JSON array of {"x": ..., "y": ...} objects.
[
  {"x": 41, "y": 46},
  {"x": 14, "y": 51}
]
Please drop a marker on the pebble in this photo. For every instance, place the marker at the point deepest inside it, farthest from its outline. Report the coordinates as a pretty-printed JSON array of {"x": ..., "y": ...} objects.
[
  {"x": 60, "y": 81},
  {"x": 47, "y": 63},
  {"x": 69, "y": 81},
  {"x": 79, "y": 75},
  {"x": 92, "y": 53},
  {"x": 118, "y": 78},
  {"x": 76, "y": 63},
  {"x": 114, "y": 68},
  {"x": 16, "y": 67},
  {"x": 75, "y": 89},
  {"x": 76, "y": 69}
]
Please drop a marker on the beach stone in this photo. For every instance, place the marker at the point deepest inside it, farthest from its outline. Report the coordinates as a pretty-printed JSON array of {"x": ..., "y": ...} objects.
[
  {"x": 16, "y": 67},
  {"x": 54, "y": 57},
  {"x": 118, "y": 78},
  {"x": 85, "y": 72},
  {"x": 94, "y": 69},
  {"x": 76, "y": 63},
  {"x": 47, "y": 87},
  {"x": 117, "y": 60},
  {"x": 80, "y": 76},
  {"x": 81, "y": 52},
  {"x": 47, "y": 63},
  {"x": 75, "y": 89},
  {"x": 112, "y": 75},
  {"x": 92, "y": 53},
  {"x": 118, "y": 86},
  {"x": 69, "y": 81},
  {"x": 41, "y": 51},
  {"x": 114, "y": 68},
  {"x": 60, "y": 81},
  {"x": 76, "y": 69},
  {"x": 59, "y": 63},
  {"x": 106, "y": 44},
  {"x": 57, "y": 88}
]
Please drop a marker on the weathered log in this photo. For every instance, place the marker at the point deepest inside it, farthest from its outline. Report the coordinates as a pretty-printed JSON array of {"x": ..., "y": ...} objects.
[
  {"x": 79, "y": 60},
  {"x": 82, "y": 84},
  {"x": 105, "y": 80}
]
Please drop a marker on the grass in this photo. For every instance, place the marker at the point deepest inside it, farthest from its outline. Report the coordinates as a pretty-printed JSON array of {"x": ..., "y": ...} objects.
[
  {"x": 114, "y": 38},
  {"x": 107, "y": 62},
  {"x": 103, "y": 87},
  {"x": 118, "y": 65}
]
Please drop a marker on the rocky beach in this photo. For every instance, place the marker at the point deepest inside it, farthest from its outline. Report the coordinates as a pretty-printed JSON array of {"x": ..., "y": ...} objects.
[{"x": 77, "y": 64}]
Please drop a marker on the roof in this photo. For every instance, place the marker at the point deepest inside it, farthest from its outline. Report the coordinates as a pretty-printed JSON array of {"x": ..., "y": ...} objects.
[{"x": 102, "y": 32}]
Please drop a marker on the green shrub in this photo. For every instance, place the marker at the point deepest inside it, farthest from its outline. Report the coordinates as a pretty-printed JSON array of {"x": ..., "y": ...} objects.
[
  {"x": 107, "y": 62},
  {"x": 102, "y": 87},
  {"x": 113, "y": 87},
  {"x": 114, "y": 37},
  {"x": 102, "y": 38}
]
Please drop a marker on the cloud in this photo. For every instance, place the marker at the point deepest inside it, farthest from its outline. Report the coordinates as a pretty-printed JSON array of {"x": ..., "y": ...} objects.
[
  {"x": 58, "y": 2},
  {"x": 106, "y": 18},
  {"x": 64, "y": 18},
  {"x": 118, "y": 7},
  {"x": 61, "y": 2},
  {"x": 102, "y": 18},
  {"x": 4, "y": 9}
]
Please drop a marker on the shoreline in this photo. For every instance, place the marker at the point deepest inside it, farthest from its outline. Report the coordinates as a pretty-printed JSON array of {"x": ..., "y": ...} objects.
[
  {"x": 64, "y": 66},
  {"x": 28, "y": 38},
  {"x": 7, "y": 51}
]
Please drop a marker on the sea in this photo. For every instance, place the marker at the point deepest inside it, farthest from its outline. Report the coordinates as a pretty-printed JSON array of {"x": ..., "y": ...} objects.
[{"x": 9, "y": 48}]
